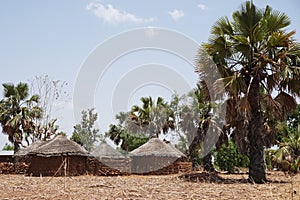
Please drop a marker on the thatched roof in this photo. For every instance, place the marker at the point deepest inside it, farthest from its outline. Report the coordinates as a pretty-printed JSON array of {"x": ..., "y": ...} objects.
[
  {"x": 32, "y": 146},
  {"x": 105, "y": 151},
  {"x": 156, "y": 147},
  {"x": 60, "y": 145}
]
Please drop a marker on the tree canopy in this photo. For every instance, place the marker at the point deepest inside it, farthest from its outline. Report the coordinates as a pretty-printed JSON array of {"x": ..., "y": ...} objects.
[
  {"x": 18, "y": 114},
  {"x": 258, "y": 61}
]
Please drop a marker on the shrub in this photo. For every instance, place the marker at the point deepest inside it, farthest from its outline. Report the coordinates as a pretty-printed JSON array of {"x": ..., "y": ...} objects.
[{"x": 228, "y": 157}]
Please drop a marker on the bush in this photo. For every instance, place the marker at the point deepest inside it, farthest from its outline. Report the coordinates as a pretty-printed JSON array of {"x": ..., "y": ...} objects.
[
  {"x": 8, "y": 147},
  {"x": 228, "y": 157}
]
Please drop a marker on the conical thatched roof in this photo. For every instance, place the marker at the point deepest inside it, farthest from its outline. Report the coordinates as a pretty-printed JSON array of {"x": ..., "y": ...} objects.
[
  {"x": 156, "y": 147},
  {"x": 31, "y": 147},
  {"x": 60, "y": 145},
  {"x": 105, "y": 151}
]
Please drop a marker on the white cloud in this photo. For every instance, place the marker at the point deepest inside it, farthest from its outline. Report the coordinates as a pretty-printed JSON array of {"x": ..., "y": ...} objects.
[
  {"x": 202, "y": 6},
  {"x": 113, "y": 15},
  {"x": 176, "y": 14}
]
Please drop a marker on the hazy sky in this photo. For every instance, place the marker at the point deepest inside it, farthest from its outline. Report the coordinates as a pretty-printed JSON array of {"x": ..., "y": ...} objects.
[{"x": 56, "y": 37}]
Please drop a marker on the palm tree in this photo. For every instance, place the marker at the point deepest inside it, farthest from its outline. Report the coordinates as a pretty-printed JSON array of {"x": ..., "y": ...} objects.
[
  {"x": 18, "y": 112},
  {"x": 153, "y": 117},
  {"x": 208, "y": 125},
  {"x": 258, "y": 61}
]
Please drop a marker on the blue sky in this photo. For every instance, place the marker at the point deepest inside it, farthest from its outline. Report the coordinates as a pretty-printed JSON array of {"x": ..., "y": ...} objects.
[{"x": 56, "y": 37}]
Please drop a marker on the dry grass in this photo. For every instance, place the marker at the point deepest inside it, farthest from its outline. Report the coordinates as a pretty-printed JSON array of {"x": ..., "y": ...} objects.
[{"x": 193, "y": 186}]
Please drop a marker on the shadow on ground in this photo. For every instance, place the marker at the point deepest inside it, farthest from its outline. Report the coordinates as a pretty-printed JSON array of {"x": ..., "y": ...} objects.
[{"x": 206, "y": 177}]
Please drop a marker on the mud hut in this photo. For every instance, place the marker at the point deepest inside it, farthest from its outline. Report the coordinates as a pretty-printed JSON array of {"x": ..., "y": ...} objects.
[
  {"x": 110, "y": 161},
  {"x": 157, "y": 157},
  {"x": 58, "y": 157}
]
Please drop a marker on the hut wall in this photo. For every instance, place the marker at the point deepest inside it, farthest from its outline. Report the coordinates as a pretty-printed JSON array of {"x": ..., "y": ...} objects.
[
  {"x": 174, "y": 168},
  {"x": 155, "y": 165},
  {"x": 96, "y": 167},
  {"x": 50, "y": 166},
  {"x": 123, "y": 165},
  {"x": 146, "y": 164},
  {"x": 6, "y": 158}
]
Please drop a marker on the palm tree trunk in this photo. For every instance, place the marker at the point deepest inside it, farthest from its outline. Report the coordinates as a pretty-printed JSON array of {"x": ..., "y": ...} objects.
[
  {"x": 257, "y": 171},
  {"x": 192, "y": 149},
  {"x": 207, "y": 160},
  {"x": 16, "y": 147},
  {"x": 207, "y": 163}
]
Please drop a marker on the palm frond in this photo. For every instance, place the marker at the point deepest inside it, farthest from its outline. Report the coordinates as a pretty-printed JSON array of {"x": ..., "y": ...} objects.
[{"x": 287, "y": 102}]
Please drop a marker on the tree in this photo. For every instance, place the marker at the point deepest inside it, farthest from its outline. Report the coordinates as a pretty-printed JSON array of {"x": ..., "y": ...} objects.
[
  {"x": 135, "y": 127},
  {"x": 208, "y": 125},
  {"x": 258, "y": 61},
  {"x": 18, "y": 113},
  {"x": 84, "y": 133},
  {"x": 127, "y": 139},
  {"x": 186, "y": 118},
  {"x": 51, "y": 93},
  {"x": 153, "y": 117}
]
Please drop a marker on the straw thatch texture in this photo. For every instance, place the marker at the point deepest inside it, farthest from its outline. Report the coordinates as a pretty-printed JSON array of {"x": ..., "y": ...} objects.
[
  {"x": 105, "y": 151},
  {"x": 32, "y": 146},
  {"x": 156, "y": 147},
  {"x": 59, "y": 156},
  {"x": 60, "y": 145},
  {"x": 155, "y": 157},
  {"x": 109, "y": 161},
  {"x": 23, "y": 154}
]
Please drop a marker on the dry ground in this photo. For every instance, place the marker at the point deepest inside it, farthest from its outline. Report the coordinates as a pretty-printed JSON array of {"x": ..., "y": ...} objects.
[{"x": 193, "y": 186}]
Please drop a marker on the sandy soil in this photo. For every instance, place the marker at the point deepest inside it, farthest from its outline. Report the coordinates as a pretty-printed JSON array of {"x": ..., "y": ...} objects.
[{"x": 198, "y": 185}]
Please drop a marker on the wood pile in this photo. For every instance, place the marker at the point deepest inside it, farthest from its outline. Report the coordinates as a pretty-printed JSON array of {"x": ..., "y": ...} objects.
[{"x": 13, "y": 168}]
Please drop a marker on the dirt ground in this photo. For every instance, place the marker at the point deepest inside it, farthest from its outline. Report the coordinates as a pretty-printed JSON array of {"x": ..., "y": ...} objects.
[{"x": 198, "y": 185}]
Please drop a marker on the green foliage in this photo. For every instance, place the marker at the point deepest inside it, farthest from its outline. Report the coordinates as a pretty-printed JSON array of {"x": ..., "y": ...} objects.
[
  {"x": 84, "y": 133},
  {"x": 135, "y": 127},
  {"x": 8, "y": 147},
  {"x": 19, "y": 113},
  {"x": 289, "y": 126},
  {"x": 288, "y": 154},
  {"x": 127, "y": 140},
  {"x": 293, "y": 120},
  {"x": 133, "y": 141},
  {"x": 254, "y": 51},
  {"x": 153, "y": 117},
  {"x": 269, "y": 157},
  {"x": 228, "y": 157}
]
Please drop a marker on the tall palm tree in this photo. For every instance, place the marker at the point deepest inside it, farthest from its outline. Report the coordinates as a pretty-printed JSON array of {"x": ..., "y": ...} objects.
[
  {"x": 258, "y": 61},
  {"x": 18, "y": 112}
]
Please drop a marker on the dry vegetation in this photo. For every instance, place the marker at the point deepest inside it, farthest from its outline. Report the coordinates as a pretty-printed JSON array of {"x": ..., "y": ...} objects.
[{"x": 187, "y": 186}]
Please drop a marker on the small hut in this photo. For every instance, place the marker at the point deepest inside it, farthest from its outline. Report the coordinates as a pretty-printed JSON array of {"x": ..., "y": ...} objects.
[
  {"x": 156, "y": 157},
  {"x": 110, "y": 161},
  {"x": 6, "y": 156},
  {"x": 58, "y": 157},
  {"x": 22, "y": 154}
]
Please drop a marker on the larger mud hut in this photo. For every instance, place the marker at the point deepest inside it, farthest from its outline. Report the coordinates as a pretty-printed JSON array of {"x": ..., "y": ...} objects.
[
  {"x": 157, "y": 157},
  {"x": 58, "y": 157}
]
